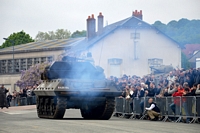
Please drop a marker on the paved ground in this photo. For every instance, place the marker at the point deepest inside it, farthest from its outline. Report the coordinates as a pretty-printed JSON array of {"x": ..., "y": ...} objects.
[{"x": 24, "y": 120}]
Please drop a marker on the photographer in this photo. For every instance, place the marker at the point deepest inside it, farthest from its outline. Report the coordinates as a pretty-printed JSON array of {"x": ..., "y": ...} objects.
[{"x": 153, "y": 111}]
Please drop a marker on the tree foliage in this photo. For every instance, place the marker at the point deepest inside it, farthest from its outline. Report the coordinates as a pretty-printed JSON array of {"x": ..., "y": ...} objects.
[
  {"x": 183, "y": 31},
  {"x": 78, "y": 34},
  {"x": 51, "y": 35},
  {"x": 31, "y": 76},
  {"x": 17, "y": 39},
  {"x": 59, "y": 34}
]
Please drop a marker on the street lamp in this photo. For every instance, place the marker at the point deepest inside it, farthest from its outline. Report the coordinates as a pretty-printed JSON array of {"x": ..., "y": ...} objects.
[{"x": 13, "y": 53}]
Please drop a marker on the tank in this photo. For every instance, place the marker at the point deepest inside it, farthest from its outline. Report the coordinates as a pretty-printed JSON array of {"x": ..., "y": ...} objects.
[
  {"x": 77, "y": 84},
  {"x": 161, "y": 69}
]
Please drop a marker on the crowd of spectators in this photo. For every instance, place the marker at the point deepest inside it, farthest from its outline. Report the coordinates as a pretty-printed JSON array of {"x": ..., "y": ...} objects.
[
  {"x": 24, "y": 96},
  {"x": 178, "y": 82}
]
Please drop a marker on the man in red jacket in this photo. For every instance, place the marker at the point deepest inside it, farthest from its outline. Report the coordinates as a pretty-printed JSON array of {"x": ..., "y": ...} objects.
[{"x": 177, "y": 100}]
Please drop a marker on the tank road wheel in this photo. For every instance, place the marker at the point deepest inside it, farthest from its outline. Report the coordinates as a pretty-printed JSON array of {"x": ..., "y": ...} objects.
[
  {"x": 108, "y": 109},
  {"x": 51, "y": 107},
  {"x": 60, "y": 108},
  {"x": 102, "y": 112}
]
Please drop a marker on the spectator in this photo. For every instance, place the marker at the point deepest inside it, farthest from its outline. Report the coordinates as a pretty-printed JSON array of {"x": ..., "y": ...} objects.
[
  {"x": 140, "y": 91},
  {"x": 23, "y": 96},
  {"x": 153, "y": 111},
  {"x": 198, "y": 90},
  {"x": 151, "y": 91},
  {"x": 171, "y": 78},
  {"x": 193, "y": 90},
  {"x": 187, "y": 103},
  {"x": 9, "y": 98},
  {"x": 176, "y": 105},
  {"x": 158, "y": 90},
  {"x": 14, "y": 97},
  {"x": 3, "y": 100},
  {"x": 171, "y": 89},
  {"x": 165, "y": 83},
  {"x": 29, "y": 96}
]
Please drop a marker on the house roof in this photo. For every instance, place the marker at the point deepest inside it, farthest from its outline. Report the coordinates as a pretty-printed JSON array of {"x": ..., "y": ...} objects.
[
  {"x": 190, "y": 49},
  {"x": 131, "y": 22},
  {"x": 193, "y": 57},
  {"x": 42, "y": 45}
]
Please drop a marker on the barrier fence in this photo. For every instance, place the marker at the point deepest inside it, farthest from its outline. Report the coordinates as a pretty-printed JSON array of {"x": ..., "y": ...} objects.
[
  {"x": 171, "y": 108},
  {"x": 22, "y": 101}
]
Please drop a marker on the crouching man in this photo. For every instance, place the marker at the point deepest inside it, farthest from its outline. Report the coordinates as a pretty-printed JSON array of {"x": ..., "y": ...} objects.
[{"x": 153, "y": 111}]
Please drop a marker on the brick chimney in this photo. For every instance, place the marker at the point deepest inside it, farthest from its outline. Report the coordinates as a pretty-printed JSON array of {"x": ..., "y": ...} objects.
[
  {"x": 100, "y": 24},
  {"x": 91, "y": 27},
  {"x": 137, "y": 14}
]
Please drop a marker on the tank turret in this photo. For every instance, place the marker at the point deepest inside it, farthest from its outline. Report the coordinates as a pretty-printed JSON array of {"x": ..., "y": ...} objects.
[{"x": 161, "y": 69}]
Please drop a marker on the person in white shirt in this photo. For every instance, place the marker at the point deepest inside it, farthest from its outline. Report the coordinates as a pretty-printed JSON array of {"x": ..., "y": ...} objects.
[{"x": 153, "y": 111}]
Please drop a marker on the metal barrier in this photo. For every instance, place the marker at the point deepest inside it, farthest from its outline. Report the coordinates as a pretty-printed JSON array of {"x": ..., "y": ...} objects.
[
  {"x": 171, "y": 108},
  {"x": 127, "y": 107},
  {"x": 198, "y": 106},
  {"x": 22, "y": 101},
  {"x": 174, "y": 109},
  {"x": 123, "y": 106},
  {"x": 137, "y": 103},
  {"x": 189, "y": 108}
]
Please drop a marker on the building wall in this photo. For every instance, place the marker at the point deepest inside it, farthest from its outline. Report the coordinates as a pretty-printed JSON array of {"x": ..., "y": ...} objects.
[
  {"x": 120, "y": 44},
  {"x": 10, "y": 79}
]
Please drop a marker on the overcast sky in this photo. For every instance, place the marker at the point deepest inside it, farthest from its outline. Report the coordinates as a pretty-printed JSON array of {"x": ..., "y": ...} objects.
[{"x": 47, "y": 15}]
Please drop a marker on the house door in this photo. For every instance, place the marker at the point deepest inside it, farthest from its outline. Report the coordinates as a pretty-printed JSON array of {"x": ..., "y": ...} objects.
[{"x": 115, "y": 70}]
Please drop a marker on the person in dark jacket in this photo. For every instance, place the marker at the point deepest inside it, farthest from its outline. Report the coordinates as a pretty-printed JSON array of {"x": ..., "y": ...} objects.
[
  {"x": 9, "y": 98},
  {"x": 138, "y": 94},
  {"x": 151, "y": 91},
  {"x": 153, "y": 111},
  {"x": 193, "y": 90},
  {"x": 3, "y": 100}
]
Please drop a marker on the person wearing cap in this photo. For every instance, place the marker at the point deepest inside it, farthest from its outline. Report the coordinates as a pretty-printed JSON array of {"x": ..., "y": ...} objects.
[
  {"x": 153, "y": 111},
  {"x": 3, "y": 100}
]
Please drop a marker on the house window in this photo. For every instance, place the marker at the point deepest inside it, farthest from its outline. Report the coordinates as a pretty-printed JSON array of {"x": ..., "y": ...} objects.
[
  {"x": 6, "y": 66},
  {"x": 155, "y": 62},
  {"x": 115, "y": 67}
]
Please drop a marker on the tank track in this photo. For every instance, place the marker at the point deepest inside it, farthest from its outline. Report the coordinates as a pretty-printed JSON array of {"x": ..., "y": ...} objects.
[
  {"x": 102, "y": 112},
  {"x": 51, "y": 107}
]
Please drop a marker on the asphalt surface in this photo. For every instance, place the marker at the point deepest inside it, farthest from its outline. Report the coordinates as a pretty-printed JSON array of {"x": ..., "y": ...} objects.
[{"x": 24, "y": 120}]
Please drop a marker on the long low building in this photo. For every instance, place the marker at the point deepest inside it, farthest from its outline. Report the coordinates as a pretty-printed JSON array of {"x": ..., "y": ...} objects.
[{"x": 26, "y": 55}]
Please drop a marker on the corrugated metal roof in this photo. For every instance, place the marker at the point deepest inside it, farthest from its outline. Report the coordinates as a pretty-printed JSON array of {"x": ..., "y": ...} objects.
[{"x": 44, "y": 44}]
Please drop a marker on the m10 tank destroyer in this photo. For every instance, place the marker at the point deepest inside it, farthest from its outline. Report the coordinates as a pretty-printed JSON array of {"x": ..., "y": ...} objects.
[
  {"x": 161, "y": 69},
  {"x": 75, "y": 83}
]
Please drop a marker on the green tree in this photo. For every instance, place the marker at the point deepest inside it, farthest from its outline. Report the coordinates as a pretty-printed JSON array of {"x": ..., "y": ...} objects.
[
  {"x": 183, "y": 31},
  {"x": 17, "y": 39},
  {"x": 78, "y": 34},
  {"x": 51, "y": 35}
]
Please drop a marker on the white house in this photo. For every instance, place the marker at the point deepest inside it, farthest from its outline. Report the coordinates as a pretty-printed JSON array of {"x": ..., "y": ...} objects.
[
  {"x": 129, "y": 46},
  {"x": 195, "y": 59}
]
